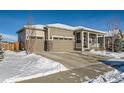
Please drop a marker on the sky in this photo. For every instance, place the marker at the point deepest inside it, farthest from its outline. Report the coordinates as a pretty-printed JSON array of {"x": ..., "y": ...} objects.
[{"x": 12, "y": 20}]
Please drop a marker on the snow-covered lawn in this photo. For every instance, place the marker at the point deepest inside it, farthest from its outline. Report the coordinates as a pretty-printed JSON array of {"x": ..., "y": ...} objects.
[
  {"x": 116, "y": 62},
  {"x": 109, "y": 54},
  {"x": 20, "y": 66}
]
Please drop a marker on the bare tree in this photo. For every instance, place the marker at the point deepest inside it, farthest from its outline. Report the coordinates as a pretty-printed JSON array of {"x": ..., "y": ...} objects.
[
  {"x": 31, "y": 36},
  {"x": 113, "y": 31}
]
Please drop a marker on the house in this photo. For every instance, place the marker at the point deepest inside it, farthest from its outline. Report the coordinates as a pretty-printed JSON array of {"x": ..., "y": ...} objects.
[
  {"x": 116, "y": 36},
  {"x": 59, "y": 37}
]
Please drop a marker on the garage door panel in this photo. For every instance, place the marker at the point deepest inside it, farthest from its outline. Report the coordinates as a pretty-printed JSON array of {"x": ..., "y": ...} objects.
[
  {"x": 63, "y": 45},
  {"x": 37, "y": 45}
]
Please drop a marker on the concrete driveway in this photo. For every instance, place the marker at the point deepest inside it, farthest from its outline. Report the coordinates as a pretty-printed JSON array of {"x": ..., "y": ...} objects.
[
  {"x": 82, "y": 67},
  {"x": 72, "y": 60}
]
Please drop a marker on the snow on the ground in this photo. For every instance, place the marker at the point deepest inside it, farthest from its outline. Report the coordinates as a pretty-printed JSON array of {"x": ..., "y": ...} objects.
[
  {"x": 116, "y": 62},
  {"x": 109, "y": 54},
  {"x": 20, "y": 66},
  {"x": 114, "y": 76}
]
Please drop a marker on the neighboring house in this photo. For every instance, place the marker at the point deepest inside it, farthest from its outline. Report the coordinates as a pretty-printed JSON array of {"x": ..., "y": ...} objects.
[
  {"x": 59, "y": 37},
  {"x": 118, "y": 42}
]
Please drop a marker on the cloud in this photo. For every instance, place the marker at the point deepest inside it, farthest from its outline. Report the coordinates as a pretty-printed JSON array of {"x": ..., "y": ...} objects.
[{"x": 9, "y": 37}]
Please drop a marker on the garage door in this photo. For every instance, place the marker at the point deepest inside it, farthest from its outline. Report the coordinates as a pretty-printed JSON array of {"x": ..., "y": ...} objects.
[
  {"x": 37, "y": 44},
  {"x": 63, "y": 44}
]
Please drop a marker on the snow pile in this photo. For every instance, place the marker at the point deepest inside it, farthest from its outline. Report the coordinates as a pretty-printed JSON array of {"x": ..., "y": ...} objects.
[
  {"x": 114, "y": 76},
  {"x": 15, "y": 53},
  {"x": 20, "y": 66},
  {"x": 109, "y": 54},
  {"x": 116, "y": 62}
]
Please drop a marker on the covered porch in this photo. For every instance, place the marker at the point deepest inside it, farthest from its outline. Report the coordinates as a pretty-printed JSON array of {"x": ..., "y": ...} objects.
[{"x": 87, "y": 40}]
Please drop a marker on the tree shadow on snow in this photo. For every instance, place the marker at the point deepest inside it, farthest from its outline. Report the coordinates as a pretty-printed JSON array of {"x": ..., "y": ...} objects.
[{"x": 119, "y": 65}]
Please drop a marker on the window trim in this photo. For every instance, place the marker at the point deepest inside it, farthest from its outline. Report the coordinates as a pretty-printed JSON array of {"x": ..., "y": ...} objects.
[{"x": 57, "y": 36}]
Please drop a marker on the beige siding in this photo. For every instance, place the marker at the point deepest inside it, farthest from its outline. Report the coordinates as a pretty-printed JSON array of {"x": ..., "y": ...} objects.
[
  {"x": 60, "y": 32},
  {"x": 35, "y": 32},
  {"x": 61, "y": 44},
  {"x": 35, "y": 44},
  {"x": 53, "y": 39}
]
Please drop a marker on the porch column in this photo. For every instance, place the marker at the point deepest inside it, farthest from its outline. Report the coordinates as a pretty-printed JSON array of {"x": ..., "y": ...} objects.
[
  {"x": 104, "y": 41},
  {"x": 82, "y": 41},
  {"x": 48, "y": 35},
  {"x": 88, "y": 40},
  {"x": 97, "y": 40}
]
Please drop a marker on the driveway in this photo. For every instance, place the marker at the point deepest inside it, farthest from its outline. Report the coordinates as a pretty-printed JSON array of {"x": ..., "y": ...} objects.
[
  {"x": 72, "y": 60},
  {"x": 82, "y": 68}
]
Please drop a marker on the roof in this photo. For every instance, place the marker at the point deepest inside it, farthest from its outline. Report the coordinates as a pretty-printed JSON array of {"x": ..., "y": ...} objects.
[
  {"x": 93, "y": 30},
  {"x": 63, "y": 26},
  {"x": 38, "y": 26}
]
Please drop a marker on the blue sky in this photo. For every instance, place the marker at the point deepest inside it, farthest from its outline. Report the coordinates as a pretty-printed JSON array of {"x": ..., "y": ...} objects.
[{"x": 11, "y": 21}]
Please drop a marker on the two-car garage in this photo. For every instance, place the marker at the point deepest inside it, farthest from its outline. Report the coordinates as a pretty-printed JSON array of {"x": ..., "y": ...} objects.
[{"x": 62, "y": 44}]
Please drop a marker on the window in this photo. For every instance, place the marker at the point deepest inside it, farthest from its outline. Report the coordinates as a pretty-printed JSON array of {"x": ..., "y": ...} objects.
[
  {"x": 39, "y": 37},
  {"x": 33, "y": 37},
  {"x": 56, "y": 38},
  {"x": 78, "y": 38},
  {"x": 70, "y": 39},
  {"x": 65, "y": 39},
  {"x": 60, "y": 38}
]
